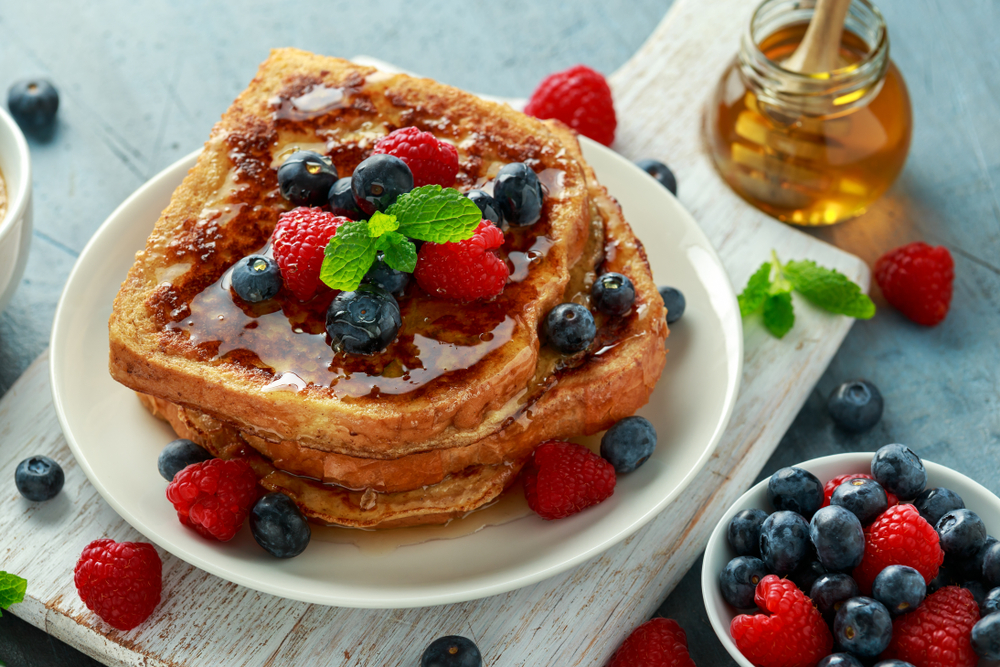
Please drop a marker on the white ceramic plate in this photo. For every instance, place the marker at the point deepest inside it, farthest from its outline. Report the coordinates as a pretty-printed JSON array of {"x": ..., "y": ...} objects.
[
  {"x": 718, "y": 552},
  {"x": 117, "y": 442}
]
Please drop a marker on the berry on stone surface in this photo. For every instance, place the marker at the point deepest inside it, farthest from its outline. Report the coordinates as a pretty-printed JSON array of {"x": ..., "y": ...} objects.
[
  {"x": 739, "y": 579},
  {"x": 33, "y": 103},
  {"x": 962, "y": 533},
  {"x": 838, "y": 537},
  {"x": 119, "y": 581},
  {"x": 305, "y": 178},
  {"x": 673, "y": 300},
  {"x": 899, "y": 537},
  {"x": 764, "y": 639},
  {"x": 660, "y": 642},
  {"x": 256, "y": 278},
  {"x": 563, "y": 478},
  {"x": 991, "y": 562},
  {"x": 179, "y": 454},
  {"x": 795, "y": 490},
  {"x": 378, "y": 181},
  {"x": 364, "y": 321},
  {"x": 900, "y": 588},
  {"x": 39, "y": 478},
  {"x": 986, "y": 637},
  {"x": 865, "y": 498},
  {"x": 629, "y": 443},
  {"x": 991, "y": 603},
  {"x": 784, "y": 541},
  {"x": 856, "y": 406},
  {"x": 863, "y": 626},
  {"x": 300, "y": 239},
  {"x": 468, "y": 270},
  {"x": 214, "y": 497},
  {"x": 831, "y": 590},
  {"x": 392, "y": 281},
  {"x": 661, "y": 173},
  {"x": 834, "y": 483},
  {"x": 431, "y": 161},
  {"x": 899, "y": 470},
  {"x": 452, "y": 651},
  {"x": 936, "y": 502},
  {"x": 840, "y": 660},
  {"x": 570, "y": 328},
  {"x": 613, "y": 294},
  {"x": 744, "y": 532},
  {"x": 938, "y": 633},
  {"x": 519, "y": 194},
  {"x": 341, "y": 200},
  {"x": 487, "y": 205},
  {"x": 579, "y": 97},
  {"x": 917, "y": 280},
  {"x": 279, "y": 526}
]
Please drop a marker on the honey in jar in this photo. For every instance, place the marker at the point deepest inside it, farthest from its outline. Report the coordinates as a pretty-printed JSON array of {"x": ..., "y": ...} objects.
[{"x": 810, "y": 149}]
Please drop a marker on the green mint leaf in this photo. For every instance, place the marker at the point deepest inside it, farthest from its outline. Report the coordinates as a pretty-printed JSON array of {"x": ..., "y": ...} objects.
[
  {"x": 398, "y": 251},
  {"x": 778, "y": 314},
  {"x": 12, "y": 589},
  {"x": 829, "y": 289},
  {"x": 436, "y": 214},
  {"x": 349, "y": 255},
  {"x": 752, "y": 298},
  {"x": 380, "y": 223}
]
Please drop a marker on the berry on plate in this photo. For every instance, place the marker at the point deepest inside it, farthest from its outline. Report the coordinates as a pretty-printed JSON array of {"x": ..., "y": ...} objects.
[
  {"x": 563, "y": 478},
  {"x": 570, "y": 328},
  {"x": 863, "y": 497},
  {"x": 519, "y": 194},
  {"x": 300, "y": 238},
  {"x": 673, "y": 300},
  {"x": 807, "y": 573},
  {"x": 489, "y": 206},
  {"x": 431, "y": 161},
  {"x": 279, "y": 526},
  {"x": 784, "y": 541},
  {"x": 899, "y": 470},
  {"x": 214, "y": 497},
  {"x": 936, "y": 502},
  {"x": 856, "y": 406},
  {"x": 863, "y": 626},
  {"x": 830, "y": 591},
  {"x": 256, "y": 278},
  {"x": 467, "y": 270},
  {"x": 899, "y": 537},
  {"x": 451, "y": 651},
  {"x": 661, "y": 173},
  {"x": 177, "y": 455},
  {"x": 341, "y": 200},
  {"x": 613, "y": 293},
  {"x": 629, "y": 443},
  {"x": 739, "y": 579},
  {"x": 938, "y": 633},
  {"x": 900, "y": 588},
  {"x": 660, "y": 642},
  {"x": 832, "y": 485},
  {"x": 917, "y": 280},
  {"x": 962, "y": 533},
  {"x": 119, "y": 581},
  {"x": 33, "y": 103},
  {"x": 744, "y": 532},
  {"x": 39, "y": 478},
  {"x": 579, "y": 97},
  {"x": 378, "y": 181},
  {"x": 364, "y": 321},
  {"x": 986, "y": 637},
  {"x": 795, "y": 490},
  {"x": 305, "y": 178},
  {"x": 838, "y": 537}
]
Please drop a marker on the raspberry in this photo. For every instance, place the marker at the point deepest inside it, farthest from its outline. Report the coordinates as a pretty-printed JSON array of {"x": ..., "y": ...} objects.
[
  {"x": 214, "y": 497},
  {"x": 433, "y": 162},
  {"x": 899, "y": 537},
  {"x": 562, "y": 478},
  {"x": 793, "y": 635},
  {"x": 299, "y": 239},
  {"x": 579, "y": 97},
  {"x": 832, "y": 485},
  {"x": 119, "y": 581},
  {"x": 917, "y": 279},
  {"x": 660, "y": 642},
  {"x": 937, "y": 633},
  {"x": 464, "y": 271}
]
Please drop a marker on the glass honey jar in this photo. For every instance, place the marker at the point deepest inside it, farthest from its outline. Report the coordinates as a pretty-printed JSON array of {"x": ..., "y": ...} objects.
[{"x": 810, "y": 149}]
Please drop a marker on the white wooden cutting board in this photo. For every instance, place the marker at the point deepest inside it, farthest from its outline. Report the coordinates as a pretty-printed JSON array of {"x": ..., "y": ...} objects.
[{"x": 577, "y": 618}]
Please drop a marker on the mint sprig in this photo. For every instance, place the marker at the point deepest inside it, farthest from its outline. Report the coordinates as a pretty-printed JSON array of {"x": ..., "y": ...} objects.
[
  {"x": 436, "y": 214},
  {"x": 769, "y": 291},
  {"x": 12, "y": 589}
]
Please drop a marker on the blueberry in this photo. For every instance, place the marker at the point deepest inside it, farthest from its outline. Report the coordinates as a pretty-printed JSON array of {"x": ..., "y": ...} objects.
[
  {"x": 795, "y": 490},
  {"x": 488, "y": 205},
  {"x": 808, "y": 572},
  {"x": 831, "y": 590},
  {"x": 256, "y": 278},
  {"x": 178, "y": 455},
  {"x": 839, "y": 660},
  {"x": 991, "y": 603},
  {"x": 990, "y": 568},
  {"x": 452, "y": 651},
  {"x": 899, "y": 470},
  {"x": 865, "y": 498},
  {"x": 971, "y": 567},
  {"x": 279, "y": 526},
  {"x": 392, "y": 281},
  {"x": 628, "y": 444},
  {"x": 784, "y": 541},
  {"x": 519, "y": 194},
  {"x": 364, "y": 321},
  {"x": 978, "y": 591},
  {"x": 341, "y": 199},
  {"x": 33, "y": 104},
  {"x": 570, "y": 328},
  {"x": 39, "y": 478},
  {"x": 613, "y": 294},
  {"x": 744, "y": 532},
  {"x": 305, "y": 178},
  {"x": 378, "y": 181},
  {"x": 838, "y": 537},
  {"x": 863, "y": 626},
  {"x": 946, "y": 576},
  {"x": 855, "y": 406},
  {"x": 674, "y": 301},
  {"x": 986, "y": 637},
  {"x": 661, "y": 173},
  {"x": 900, "y": 588},
  {"x": 936, "y": 502},
  {"x": 739, "y": 580},
  {"x": 893, "y": 663},
  {"x": 962, "y": 533}
]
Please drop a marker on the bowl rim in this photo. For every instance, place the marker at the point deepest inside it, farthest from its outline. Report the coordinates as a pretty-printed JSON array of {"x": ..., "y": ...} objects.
[{"x": 17, "y": 201}]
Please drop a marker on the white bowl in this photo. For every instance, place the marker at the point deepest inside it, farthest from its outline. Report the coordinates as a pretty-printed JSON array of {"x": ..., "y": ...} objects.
[
  {"x": 718, "y": 552},
  {"x": 15, "y": 224}
]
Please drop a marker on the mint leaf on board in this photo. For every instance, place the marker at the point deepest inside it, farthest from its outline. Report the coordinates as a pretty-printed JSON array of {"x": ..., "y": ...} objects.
[
  {"x": 752, "y": 298},
  {"x": 398, "y": 251},
  {"x": 380, "y": 223},
  {"x": 349, "y": 255},
  {"x": 829, "y": 289},
  {"x": 779, "y": 316},
  {"x": 436, "y": 214},
  {"x": 12, "y": 589}
]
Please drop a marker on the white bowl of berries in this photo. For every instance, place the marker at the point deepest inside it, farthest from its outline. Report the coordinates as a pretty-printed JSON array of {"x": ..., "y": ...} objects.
[{"x": 853, "y": 559}]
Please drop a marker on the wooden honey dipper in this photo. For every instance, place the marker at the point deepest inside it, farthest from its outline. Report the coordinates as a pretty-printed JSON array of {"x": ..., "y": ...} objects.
[{"x": 820, "y": 48}]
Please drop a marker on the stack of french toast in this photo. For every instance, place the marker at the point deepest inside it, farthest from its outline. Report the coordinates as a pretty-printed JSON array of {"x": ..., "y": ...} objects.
[{"x": 439, "y": 423}]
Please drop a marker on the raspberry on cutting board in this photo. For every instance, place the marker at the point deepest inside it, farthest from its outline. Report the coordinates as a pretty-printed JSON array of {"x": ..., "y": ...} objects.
[
  {"x": 119, "y": 581},
  {"x": 464, "y": 270},
  {"x": 917, "y": 280},
  {"x": 300, "y": 239},
  {"x": 579, "y": 97},
  {"x": 214, "y": 497},
  {"x": 937, "y": 633},
  {"x": 563, "y": 478},
  {"x": 900, "y": 536},
  {"x": 432, "y": 161},
  {"x": 660, "y": 642}
]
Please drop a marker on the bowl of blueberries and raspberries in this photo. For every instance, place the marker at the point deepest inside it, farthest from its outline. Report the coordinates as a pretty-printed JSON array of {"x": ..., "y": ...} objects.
[{"x": 858, "y": 560}]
